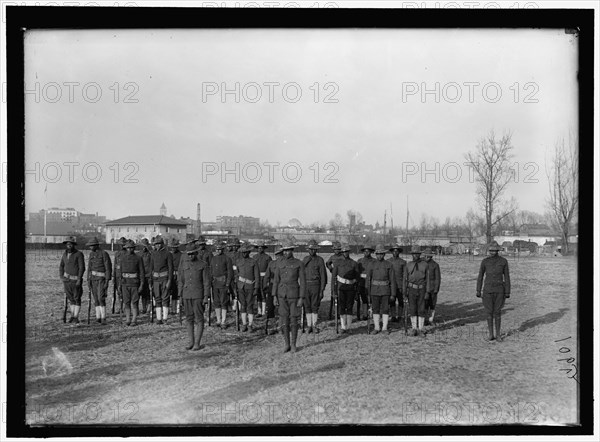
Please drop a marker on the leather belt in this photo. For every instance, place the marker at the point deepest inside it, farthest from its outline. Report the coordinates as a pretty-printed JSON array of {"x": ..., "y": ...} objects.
[
  {"x": 415, "y": 286},
  {"x": 129, "y": 275},
  {"x": 346, "y": 281},
  {"x": 160, "y": 274},
  {"x": 263, "y": 273},
  {"x": 95, "y": 273},
  {"x": 247, "y": 281},
  {"x": 380, "y": 282},
  {"x": 363, "y": 275},
  {"x": 71, "y": 277}
]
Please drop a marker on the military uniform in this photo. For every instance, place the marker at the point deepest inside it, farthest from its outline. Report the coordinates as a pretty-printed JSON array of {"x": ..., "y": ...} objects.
[
  {"x": 316, "y": 280},
  {"x": 162, "y": 275},
  {"x": 416, "y": 286},
  {"x": 289, "y": 287},
  {"x": 248, "y": 280},
  {"x": 496, "y": 287},
  {"x": 71, "y": 270},
  {"x": 221, "y": 274},
  {"x": 263, "y": 260},
  {"x": 381, "y": 286},
  {"x": 337, "y": 254},
  {"x": 99, "y": 273},
  {"x": 345, "y": 276},
  {"x": 176, "y": 255},
  {"x": 435, "y": 279},
  {"x": 362, "y": 292},
  {"x": 146, "y": 261},
  {"x": 117, "y": 270},
  {"x": 132, "y": 278},
  {"x": 398, "y": 264},
  {"x": 271, "y": 278},
  {"x": 194, "y": 288}
]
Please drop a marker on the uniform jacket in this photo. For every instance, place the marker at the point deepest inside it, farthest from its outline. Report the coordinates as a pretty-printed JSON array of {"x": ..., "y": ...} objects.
[
  {"x": 263, "y": 260},
  {"x": 146, "y": 260},
  {"x": 416, "y": 272},
  {"x": 117, "y": 263},
  {"x": 132, "y": 264},
  {"x": 206, "y": 256},
  {"x": 398, "y": 264},
  {"x": 248, "y": 269},
  {"x": 193, "y": 281},
  {"x": 290, "y": 279},
  {"x": 161, "y": 261},
  {"x": 435, "y": 276},
  {"x": 221, "y": 271},
  {"x": 363, "y": 266},
  {"x": 176, "y": 256},
  {"x": 73, "y": 264},
  {"x": 331, "y": 261},
  {"x": 99, "y": 261},
  {"x": 271, "y": 268},
  {"x": 381, "y": 271},
  {"x": 497, "y": 277},
  {"x": 314, "y": 268},
  {"x": 345, "y": 268}
]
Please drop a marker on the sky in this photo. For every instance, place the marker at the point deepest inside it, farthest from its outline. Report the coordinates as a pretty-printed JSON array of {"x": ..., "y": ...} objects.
[{"x": 320, "y": 122}]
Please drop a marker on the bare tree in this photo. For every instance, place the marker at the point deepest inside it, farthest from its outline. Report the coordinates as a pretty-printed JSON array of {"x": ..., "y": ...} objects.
[
  {"x": 491, "y": 163},
  {"x": 563, "y": 178}
]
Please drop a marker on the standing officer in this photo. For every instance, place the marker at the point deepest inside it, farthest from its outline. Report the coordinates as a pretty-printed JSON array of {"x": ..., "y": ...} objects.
[
  {"x": 132, "y": 280},
  {"x": 248, "y": 281},
  {"x": 221, "y": 273},
  {"x": 194, "y": 287},
  {"x": 416, "y": 287},
  {"x": 344, "y": 280},
  {"x": 71, "y": 269},
  {"x": 234, "y": 254},
  {"x": 496, "y": 288},
  {"x": 381, "y": 286},
  {"x": 316, "y": 280},
  {"x": 398, "y": 265},
  {"x": 337, "y": 254},
  {"x": 288, "y": 293},
  {"x": 176, "y": 256},
  {"x": 435, "y": 278},
  {"x": 146, "y": 259},
  {"x": 117, "y": 271},
  {"x": 162, "y": 275},
  {"x": 263, "y": 260},
  {"x": 362, "y": 292},
  {"x": 99, "y": 273},
  {"x": 271, "y": 277}
]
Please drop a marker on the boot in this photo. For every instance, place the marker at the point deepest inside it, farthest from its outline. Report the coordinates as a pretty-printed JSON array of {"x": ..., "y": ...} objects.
[
  {"x": 385, "y": 323},
  {"x": 127, "y": 315},
  {"x": 189, "y": 325},
  {"x": 218, "y": 315},
  {"x": 103, "y": 314},
  {"x": 498, "y": 322},
  {"x": 251, "y": 321},
  {"x": 490, "y": 323},
  {"x": 413, "y": 325},
  {"x": 286, "y": 336},
  {"x": 376, "y": 323},
  {"x": 98, "y": 314},
  {"x": 343, "y": 322},
  {"x": 348, "y": 321},
  {"x": 315, "y": 317},
  {"x": 159, "y": 315},
  {"x": 264, "y": 309},
  {"x": 294, "y": 337},
  {"x": 421, "y": 320},
  {"x": 135, "y": 315},
  {"x": 144, "y": 306},
  {"x": 198, "y": 330},
  {"x": 223, "y": 317},
  {"x": 165, "y": 312},
  {"x": 432, "y": 316}
]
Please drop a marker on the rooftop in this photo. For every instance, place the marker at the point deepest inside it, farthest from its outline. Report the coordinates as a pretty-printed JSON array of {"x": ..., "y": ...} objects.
[{"x": 147, "y": 219}]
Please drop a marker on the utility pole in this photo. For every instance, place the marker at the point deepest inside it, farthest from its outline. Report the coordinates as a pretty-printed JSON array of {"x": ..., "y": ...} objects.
[{"x": 198, "y": 221}]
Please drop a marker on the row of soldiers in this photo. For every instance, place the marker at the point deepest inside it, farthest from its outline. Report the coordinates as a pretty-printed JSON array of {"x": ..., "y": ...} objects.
[{"x": 197, "y": 277}]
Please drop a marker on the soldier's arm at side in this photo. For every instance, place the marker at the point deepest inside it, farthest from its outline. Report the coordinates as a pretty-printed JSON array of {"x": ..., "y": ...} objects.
[
  {"x": 480, "y": 277},
  {"x": 405, "y": 281},
  {"x": 302, "y": 281},
  {"x": 170, "y": 267},
  {"x": 506, "y": 281},
  {"x": 107, "y": 266},
  {"x": 323, "y": 275},
  {"x": 206, "y": 280},
  {"x": 61, "y": 267},
  {"x": 438, "y": 280},
  {"x": 141, "y": 271},
  {"x": 256, "y": 277},
  {"x": 275, "y": 282},
  {"x": 392, "y": 277},
  {"x": 229, "y": 272},
  {"x": 180, "y": 280},
  {"x": 81, "y": 262}
]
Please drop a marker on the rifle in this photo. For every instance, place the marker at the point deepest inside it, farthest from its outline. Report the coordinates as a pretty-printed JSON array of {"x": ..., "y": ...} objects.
[
  {"x": 65, "y": 309},
  {"x": 209, "y": 307},
  {"x": 369, "y": 314},
  {"x": 358, "y": 293},
  {"x": 335, "y": 301},
  {"x": 89, "y": 303},
  {"x": 303, "y": 320},
  {"x": 152, "y": 301},
  {"x": 179, "y": 310},
  {"x": 237, "y": 308},
  {"x": 120, "y": 292},
  {"x": 405, "y": 316},
  {"x": 114, "y": 294}
]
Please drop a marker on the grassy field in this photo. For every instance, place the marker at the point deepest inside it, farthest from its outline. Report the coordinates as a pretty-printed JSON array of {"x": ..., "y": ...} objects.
[{"x": 143, "y": 375}]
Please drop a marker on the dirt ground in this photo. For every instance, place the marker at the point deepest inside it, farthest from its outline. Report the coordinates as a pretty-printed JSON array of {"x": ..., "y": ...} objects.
[{"x": 143, "y": 375}]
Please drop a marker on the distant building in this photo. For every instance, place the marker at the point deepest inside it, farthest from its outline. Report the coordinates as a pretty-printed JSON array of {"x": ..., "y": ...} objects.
[
  {"x": 241, "y": 224},
  {"x": 163, "y": 210},
  {"x": 56, "y": 213},
  {"x": 145, "y": 226}
]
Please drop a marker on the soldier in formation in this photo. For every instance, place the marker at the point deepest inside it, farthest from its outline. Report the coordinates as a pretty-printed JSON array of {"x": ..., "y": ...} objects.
[
  {"x": 344, "y": 279},
  {"x": 496, "y": 288},
  {"x": 146, "y": 260},
  {"x": 381, "y": 286},
  {"x": 416, "y": 287},
  {"x": 398, "y": 264},
  {"x": 262, "y": 260},
  {"x": 248, "y": 281},
  {"x": 337, "y": 254},
  {"x": 99, "y": 274},
  {"x": 194, "y": 287},
  {"x": 271, "y": 278},
  {"x": 362, "y": 292},
  {"x": 173, "y": 290},
  {"x": 316, "y": 280},
  {"x": 132, "y": 280},
  {"x": 435, "y": 279},
  {"x": 221, "y": 274},
  {"x": 71, "y": 270},
  {"x": 288, "y": 294},
  {"x": 161, "y": 277},
  {"x": 117, "y": 273}
]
